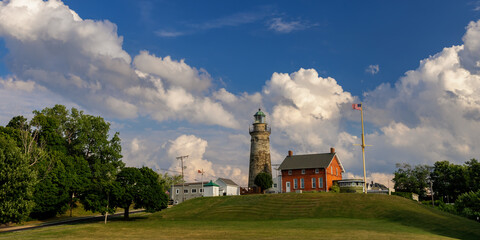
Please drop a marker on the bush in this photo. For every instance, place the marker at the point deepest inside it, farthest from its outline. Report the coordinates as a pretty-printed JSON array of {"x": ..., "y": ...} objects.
[
  {"x": 264, "y": 181},
  {"x": 335, "y": 188},
  {"x": 468, "y": 205}
]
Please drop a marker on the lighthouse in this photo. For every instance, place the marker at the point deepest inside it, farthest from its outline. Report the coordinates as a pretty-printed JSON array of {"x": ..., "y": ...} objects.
[{"x": 260, "y": 148}]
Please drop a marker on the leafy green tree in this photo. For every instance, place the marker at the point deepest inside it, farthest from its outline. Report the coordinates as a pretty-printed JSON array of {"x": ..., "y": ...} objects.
[
  {"x": 473, "y": 170},
  {"x": 415, "y": 180},
  {"x": 468, "y": 205},
  {"x": 91, "y": 160},
  {"x": 16, "y": 183},
  {"x": 126, "y": 188},
  {"x": 140, "y": 187},
  {"x": 152, "y": 195},
  {"x": 264, "y": 181},
  {"x": 19, "y": 122},
  {"x": 51, "y": 193},
  {"x": 167, "y": 180},
  {"x": 449, "y": 180}
]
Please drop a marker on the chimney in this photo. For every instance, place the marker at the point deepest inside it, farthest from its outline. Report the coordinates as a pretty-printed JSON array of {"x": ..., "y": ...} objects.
[
  {"x": 332, "y": 150},
  {"x": 290, "y": 153}
]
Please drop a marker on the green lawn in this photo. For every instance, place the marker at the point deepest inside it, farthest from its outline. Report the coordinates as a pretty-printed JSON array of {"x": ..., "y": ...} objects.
[{"x": 283, "y": 216}]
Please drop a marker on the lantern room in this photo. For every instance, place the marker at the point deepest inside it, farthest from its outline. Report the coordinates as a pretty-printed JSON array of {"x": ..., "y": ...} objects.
[{"x": 259, "y": 117}]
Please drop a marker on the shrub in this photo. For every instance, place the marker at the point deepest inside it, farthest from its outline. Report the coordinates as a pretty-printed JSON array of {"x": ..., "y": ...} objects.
[{"x": 468, "y": 205}]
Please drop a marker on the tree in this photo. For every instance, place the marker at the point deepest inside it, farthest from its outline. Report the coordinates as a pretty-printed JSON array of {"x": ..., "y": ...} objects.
[
  {"x": 18, "y": 122},
  {"x": 126, "y": 188},
  {"x": 139, "y": 186},
  {"x": 449, "y": 180},
  {"x": 264, "y": 181},
  {"x": 167, "y": 181},
  {"x": 468, "y": 205},
  {"x": 473, "y": 170},
  {"x": 16, "y": 183},
  {"x": 51, "y": 193},
  {"x": 415, "y": 180},
  {"x": 152, "y": 195}
]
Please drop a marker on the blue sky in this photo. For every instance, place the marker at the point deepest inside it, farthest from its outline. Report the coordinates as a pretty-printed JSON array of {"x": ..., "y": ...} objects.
[
  {"x": 233, "y": 41},
  {"x": 185, "y": 77}
]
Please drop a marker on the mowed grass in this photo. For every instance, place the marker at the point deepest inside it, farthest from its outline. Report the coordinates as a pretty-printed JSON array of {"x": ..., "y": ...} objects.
[{"x": 280, "y": 216}]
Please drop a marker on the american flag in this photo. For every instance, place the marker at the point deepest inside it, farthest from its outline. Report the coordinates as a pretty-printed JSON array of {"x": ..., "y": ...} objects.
[{"x": 357, "y": 106}]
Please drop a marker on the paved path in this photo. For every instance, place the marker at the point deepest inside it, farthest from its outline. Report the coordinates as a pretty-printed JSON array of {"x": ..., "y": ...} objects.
[{"x": 70, "y": 220}]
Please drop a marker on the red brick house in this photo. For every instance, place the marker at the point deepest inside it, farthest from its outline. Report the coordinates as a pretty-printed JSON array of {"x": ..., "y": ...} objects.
[{"x": 310, "y": 172}]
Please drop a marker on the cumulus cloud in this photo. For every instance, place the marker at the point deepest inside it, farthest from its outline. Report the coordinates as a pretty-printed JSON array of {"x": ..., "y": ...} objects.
[
  {"x": 372, "y": 69},
  {"x": 11, "y": 83},
  {"x": 175, "y": 73},
  {"x": 195, "y": 148},
  {"x": 431, "y": 113},
  {"x": 83, "y": 60}
]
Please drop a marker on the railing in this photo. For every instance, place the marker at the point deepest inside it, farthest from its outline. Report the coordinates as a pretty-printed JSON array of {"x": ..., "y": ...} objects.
[{"x": 266, "y": 129}]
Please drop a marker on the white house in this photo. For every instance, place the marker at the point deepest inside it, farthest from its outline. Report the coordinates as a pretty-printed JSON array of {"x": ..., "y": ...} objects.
[
  {"x": 227, "y": 187},
  {"x": 277, "y": 185},
  {"x": 211, "y": 189}
]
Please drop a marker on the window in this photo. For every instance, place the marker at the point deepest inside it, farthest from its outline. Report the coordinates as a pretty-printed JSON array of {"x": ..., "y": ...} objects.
[
  {"x": 320, "y": 182},
  {"x": 201, "y": 190},
  {"x": 194, "y": 190},
  {"x": 314, "y": 183},
  {"x": 331, "y": 170},
  {"x": 289, "y": 172},
  {"x": 275, "y": 185},
  {"x": 295, "y": 183},
  {"x": 302, "y": 183},
  {"x": 303, "y": 171},
  {"x": 185, "y": 190},
  {"x": 317, "y": 171},
  {"x": 177, "y": 191},
  {"x": 337, "y": 171}
]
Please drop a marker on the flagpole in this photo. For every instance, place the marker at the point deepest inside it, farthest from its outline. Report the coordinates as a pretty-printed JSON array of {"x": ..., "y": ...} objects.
[{"x": 363, "y": 154}]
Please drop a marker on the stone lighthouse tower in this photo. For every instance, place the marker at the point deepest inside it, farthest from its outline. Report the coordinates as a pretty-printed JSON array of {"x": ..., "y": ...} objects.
[{"x": 260, "y": 148}]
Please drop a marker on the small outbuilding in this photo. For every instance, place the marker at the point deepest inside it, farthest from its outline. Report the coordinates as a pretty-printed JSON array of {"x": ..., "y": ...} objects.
[
  {"x": 227, "y": 187},
  {"x": 211, "y": 189},
  {"x": 351, "y": 185}
]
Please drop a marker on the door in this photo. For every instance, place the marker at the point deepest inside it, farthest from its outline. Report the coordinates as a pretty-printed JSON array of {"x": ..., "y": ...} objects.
[{"x": 287, "y": 186}]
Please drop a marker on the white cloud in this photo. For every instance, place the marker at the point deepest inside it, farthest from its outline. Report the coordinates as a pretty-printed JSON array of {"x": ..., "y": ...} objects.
[
  {"x": 372, "y": 69},
  {"x": 175, "y": 73},
  {"x": 170, "y": 34},
  {"x": 281, "y": 26},
  {"x": 433, "y": 112},
  {"x": 195, "y": 148},
  {"x": 11, "y": 83},
  {"x": 83, "y": 60}
]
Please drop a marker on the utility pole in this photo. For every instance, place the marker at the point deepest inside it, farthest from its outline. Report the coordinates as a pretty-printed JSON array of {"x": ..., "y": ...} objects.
[{"x": 183, "y": 178}]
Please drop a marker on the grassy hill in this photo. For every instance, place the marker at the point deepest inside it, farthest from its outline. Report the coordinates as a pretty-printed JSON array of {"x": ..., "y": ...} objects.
[{"x": 279, "y": 216}]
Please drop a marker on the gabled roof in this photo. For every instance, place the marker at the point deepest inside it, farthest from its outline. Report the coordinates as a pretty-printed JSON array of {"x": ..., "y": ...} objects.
[
  {"x": 321, "y": 160},
  {"x": 227, "y": 181}
]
